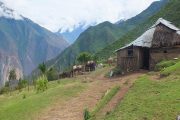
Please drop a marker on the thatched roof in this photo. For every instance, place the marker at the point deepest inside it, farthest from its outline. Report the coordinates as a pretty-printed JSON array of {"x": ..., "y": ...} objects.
[{"x": 145, "y": 40}]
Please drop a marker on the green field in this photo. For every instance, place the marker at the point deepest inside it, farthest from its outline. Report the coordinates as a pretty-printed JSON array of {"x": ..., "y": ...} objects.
[
  {"x": 15, "y": 107},
  {"x": 151, "y": 99}
]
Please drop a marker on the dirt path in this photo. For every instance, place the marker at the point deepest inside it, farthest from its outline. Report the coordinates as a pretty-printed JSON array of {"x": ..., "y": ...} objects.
[
  {"x": 127, "y": 82},
  {"x": 73, "y": 109}
]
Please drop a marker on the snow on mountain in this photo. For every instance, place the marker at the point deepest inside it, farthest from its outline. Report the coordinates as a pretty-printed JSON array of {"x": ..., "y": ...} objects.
[{"x": 9, "y": 13}]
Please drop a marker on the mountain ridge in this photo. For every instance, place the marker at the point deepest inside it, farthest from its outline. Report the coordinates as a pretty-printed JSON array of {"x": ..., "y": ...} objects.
[{"x": 24, "y": 45}]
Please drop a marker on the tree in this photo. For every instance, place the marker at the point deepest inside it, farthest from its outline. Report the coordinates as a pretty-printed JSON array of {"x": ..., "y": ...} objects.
[
  {"x": 52, "y": 74},
  {"x": 84, "y": 57},
  {"x": 12, "y": 74},
  {"x": 42, "y": 68}
]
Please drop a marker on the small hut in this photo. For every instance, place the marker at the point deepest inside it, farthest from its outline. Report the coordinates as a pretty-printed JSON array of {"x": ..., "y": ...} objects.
[{"x": 159, "y": 42}]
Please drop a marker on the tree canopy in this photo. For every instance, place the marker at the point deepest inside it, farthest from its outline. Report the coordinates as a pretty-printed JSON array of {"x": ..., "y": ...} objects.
[
  {"x": 84, "y": 57},
  {"x": 42, "y": 68},
  {"x": 12, "y": 74}
]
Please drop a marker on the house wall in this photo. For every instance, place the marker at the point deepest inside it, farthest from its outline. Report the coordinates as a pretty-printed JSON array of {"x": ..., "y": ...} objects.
[
  {"x": 159, "y": 54},
  {"x": 129, "y": 63}
]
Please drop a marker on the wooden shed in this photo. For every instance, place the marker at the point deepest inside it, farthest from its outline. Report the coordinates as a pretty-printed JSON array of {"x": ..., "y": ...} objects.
[{"x": 159, "y": 42}]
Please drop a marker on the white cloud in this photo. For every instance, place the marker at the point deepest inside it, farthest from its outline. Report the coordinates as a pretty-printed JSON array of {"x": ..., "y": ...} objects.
[{"x": 67, "y": 14}]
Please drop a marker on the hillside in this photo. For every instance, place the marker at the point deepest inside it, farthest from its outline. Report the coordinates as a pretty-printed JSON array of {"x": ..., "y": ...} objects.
[
  {"x": 170, "y": 12},
  {"x": 24, "y": 44},
  {"x": 96, "y": 38},
  {"x": 92, "y": 40},
  {"x": 160, "y": 101}
]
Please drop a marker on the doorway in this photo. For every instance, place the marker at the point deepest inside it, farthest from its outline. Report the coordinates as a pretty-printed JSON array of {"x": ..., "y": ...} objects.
[{"x": 145, "y": 58}]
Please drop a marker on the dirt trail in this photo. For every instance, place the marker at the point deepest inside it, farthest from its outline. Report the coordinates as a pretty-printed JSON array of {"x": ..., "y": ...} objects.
[
  {"x": 127, "y": 82},
  {"x": 73, "y": 109}
]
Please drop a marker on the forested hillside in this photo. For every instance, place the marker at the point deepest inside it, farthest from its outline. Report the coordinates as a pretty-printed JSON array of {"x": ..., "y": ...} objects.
[
  {"x": 170, "y": 12},
  {"x": 96, "y": 38}
]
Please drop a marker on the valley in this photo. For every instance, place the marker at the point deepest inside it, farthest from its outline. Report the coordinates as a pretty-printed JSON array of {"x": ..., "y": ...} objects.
[{"x": 90, "y": 60}]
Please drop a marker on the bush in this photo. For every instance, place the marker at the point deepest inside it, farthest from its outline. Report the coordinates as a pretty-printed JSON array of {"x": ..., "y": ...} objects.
[
  {"x": 169, "y": 70},
  {"x": 4, "y": 90},
  {"x": 41, "y": 84},
  {"x": 22, "y": 84},
  {"x": 164, "y": 64},
  {"x": 114, "y": 72},
  {"x": 24, "y": 96},
  {"x": 86, "y": 114}
]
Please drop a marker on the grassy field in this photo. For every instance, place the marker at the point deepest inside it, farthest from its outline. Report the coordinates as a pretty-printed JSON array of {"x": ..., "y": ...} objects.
[
  {"x": 151, "y": 99},
  {"x": 15, "y": 107}
]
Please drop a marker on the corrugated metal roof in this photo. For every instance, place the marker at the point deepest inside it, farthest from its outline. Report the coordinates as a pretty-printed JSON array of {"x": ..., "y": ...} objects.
[
  {"x": 145, "y": 40},
  {"x": 166, "y": 23}
]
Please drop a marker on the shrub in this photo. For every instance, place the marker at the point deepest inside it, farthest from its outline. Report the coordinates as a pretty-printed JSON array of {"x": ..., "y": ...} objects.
[
  {"x": 22, "y": 84},
  {"x": 41, "y": 83},
  {"x": 114, "y": 72},
  {"x": 4, "y": 90},
  {"x": 24, "y": 96},
  {"x": 52, "y": 74},
  {"x": 169, "y": 70},
  {"x": 164, "y": 64},
  {"x": 86, "y": 114}
]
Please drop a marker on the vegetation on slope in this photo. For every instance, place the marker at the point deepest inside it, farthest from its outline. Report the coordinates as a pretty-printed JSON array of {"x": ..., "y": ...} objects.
[
  {"x": 171, "y": 69},
  {"x": 96, "y": 38},
  {"x": 169, "y": 12},
  {"x": 28, "y": 104},
  {"x": 105, "y": 99},
  {"x": 150, "y": 100},
  {"x": 92, "y": 40}
]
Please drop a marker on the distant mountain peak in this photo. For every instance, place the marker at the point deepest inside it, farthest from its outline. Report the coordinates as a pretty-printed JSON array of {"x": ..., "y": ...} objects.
[{"x": 9, "y": 13}]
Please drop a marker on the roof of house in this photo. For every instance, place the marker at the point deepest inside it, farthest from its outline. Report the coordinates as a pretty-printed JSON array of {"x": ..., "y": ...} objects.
[{"x": 145, "y": 40}]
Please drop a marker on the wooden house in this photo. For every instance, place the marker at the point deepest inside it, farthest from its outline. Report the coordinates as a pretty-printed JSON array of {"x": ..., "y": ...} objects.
[{"x": 159, "y": 42}]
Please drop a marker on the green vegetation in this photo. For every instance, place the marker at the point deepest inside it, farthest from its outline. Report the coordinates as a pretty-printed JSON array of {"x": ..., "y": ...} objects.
[
  {"x": 42, "y": 68},
  {"x": 12, "y": 74},
  {"x": 84, "y": 57},
  {"x": 105, "y": 99},
  {"x": 150, "y": 100},
  {"x": 42, "y": 83},
  {"x": 171, "y": 69},
  {"x": 169, "y": 12},
  {"x": 86, "y": 114},
  {"x": 96, "y": 39},
  {"x": 52, "y": 74},
  {"x": 27, "y": 105},
  {"x": 164, "y": 64}
]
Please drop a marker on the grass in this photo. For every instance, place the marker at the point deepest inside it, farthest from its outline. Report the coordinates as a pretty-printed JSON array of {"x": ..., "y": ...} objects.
[
  {"x": 164, "y": 64},
  {"x": 27, "y": 105},
  {"x": 171, "y": 69},
  {"x": 150, "y": 100},
  {"x": 105, "y": 99}
]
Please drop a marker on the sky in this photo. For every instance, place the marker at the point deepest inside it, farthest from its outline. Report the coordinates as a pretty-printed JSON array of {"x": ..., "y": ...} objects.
[{"x": 69, "y": 14}]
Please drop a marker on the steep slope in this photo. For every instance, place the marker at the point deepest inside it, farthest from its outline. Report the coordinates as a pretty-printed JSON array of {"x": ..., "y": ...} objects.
[
  {"x": 24, "y": 44},
  {"x": 144, "y": 15},
  {"x": 92, "y": 40},
  {"x": 96, "y": 38},
  {"x": 170, "y": 12}
]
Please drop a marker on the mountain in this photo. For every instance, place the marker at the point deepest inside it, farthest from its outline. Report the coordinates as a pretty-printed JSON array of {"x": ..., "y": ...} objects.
[
  {"x": 131, "y": 25},
  {"x": 71, "y": 36},
  {"x": 91, "y": 40},
  {"x": 24, "y": 44},
  {"x": 96, "y": 38}
]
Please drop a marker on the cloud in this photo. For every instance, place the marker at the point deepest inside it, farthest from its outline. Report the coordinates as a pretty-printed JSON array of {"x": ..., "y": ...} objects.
[{"x": 68, "y": 14}]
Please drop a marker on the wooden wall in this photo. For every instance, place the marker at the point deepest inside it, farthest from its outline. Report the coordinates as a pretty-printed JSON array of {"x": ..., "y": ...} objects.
[
  {"x": 129, "y": 63},
  {"x": 159, "y": 54}
]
